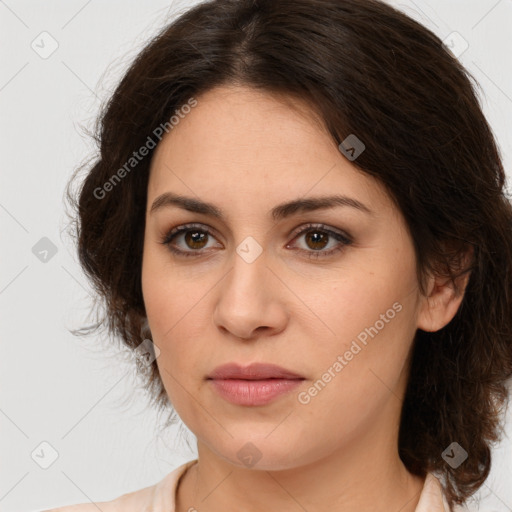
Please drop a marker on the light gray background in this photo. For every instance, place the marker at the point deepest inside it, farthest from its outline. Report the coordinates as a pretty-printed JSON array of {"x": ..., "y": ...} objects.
[{"x": 66, "y": 391}]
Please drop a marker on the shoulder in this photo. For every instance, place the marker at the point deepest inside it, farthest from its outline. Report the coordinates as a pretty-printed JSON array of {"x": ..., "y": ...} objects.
[
  {"x": 155, "y": 498},
  {"x": 127, "y": 502}
]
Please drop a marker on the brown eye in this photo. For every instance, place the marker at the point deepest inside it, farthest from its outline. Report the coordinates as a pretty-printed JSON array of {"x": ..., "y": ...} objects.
[
  {"x": 188, "y": 240},
  {"x": 195, "y": 239},
  {"x": 317, "y": 237}
]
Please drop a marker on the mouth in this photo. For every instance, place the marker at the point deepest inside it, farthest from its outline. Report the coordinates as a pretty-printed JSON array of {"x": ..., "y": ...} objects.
[
  {"x": 255, "y": 371},
  {"x": 253, "y": 385}
]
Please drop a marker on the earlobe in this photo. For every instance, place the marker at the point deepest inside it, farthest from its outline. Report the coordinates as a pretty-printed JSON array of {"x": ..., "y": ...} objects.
[{"x": 441, "y": 302}]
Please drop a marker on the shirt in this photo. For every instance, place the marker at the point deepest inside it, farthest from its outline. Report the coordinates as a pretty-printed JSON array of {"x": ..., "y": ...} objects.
[{"x": 161, "y": 497}]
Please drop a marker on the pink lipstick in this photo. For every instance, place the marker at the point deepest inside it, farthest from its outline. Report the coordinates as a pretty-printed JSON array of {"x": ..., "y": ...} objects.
[{"x": 256, "y": 384}]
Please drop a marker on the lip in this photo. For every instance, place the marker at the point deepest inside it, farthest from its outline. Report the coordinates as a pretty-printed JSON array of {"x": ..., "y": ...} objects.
[
  {"x": 253, "y": 385},
  {"x": 254, "y": 371}
]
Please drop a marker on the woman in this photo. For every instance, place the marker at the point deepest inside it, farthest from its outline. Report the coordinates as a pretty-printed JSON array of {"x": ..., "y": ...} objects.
[{"x": 301, "y": 205}]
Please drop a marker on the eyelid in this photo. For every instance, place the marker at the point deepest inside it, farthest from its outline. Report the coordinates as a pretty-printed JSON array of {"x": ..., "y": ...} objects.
[
  {"x": 320, "y": 227},
  {"x": 343, "y": 238},
  {"x": 190, "y": 226}
]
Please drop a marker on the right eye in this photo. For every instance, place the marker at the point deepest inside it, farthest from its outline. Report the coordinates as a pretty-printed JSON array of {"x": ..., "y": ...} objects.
[{"x": 194, "y": 236}]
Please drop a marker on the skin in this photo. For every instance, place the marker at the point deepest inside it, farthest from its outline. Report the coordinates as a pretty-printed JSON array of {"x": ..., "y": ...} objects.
[{"x": 247, "y": 151}]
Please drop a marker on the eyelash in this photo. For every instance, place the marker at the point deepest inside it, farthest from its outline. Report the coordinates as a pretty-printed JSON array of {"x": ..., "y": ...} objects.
[{"x": 312, "y": 254}]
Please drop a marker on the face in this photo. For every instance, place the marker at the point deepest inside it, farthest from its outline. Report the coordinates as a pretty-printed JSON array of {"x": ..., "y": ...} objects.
[{"x": 328, "y": 293}]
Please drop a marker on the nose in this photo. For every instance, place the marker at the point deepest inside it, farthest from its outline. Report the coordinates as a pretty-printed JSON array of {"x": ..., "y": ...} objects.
[{"x": 251, "y": 300}]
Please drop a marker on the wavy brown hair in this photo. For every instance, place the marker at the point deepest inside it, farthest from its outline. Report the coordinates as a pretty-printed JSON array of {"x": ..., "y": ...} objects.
[{"x": 365, "y": 69}]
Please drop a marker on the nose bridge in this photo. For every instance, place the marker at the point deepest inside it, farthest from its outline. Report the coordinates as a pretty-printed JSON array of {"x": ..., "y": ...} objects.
[
  {"x": 247, "y": 280},
  {"x": 248, "y": 299}
]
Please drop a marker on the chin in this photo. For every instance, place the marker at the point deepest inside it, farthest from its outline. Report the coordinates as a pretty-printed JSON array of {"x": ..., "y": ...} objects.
[{"x": 260, "y": 453}]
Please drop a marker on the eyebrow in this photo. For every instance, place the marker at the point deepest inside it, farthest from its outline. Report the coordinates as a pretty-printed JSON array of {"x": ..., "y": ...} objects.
[{"x": 279, "y": 212}]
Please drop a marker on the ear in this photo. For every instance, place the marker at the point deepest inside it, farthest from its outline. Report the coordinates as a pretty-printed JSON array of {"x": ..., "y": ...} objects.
[{"x": 442, "y": 300}]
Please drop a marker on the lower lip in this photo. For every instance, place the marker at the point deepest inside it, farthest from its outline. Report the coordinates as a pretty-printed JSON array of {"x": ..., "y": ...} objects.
[{"x": 253, "y": 392}]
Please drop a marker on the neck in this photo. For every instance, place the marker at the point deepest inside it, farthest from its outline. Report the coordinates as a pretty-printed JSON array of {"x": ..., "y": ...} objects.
[{"x": 365, "y": 474}]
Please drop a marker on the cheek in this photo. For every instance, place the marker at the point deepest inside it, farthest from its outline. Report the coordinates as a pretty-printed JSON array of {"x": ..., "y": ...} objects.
[
  {"x": 168, "y": 293},
  {"x": 371, "y": 321},
  {"x": 360, "y": 374},
  {"x": 345, "y": 308},
  {"x": 368, "y": 337},
  {"x": 166, "y": 307}
]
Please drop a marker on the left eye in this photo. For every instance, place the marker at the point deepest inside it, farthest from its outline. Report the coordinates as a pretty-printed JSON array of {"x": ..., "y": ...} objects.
[{"x": 317, "y": 238}]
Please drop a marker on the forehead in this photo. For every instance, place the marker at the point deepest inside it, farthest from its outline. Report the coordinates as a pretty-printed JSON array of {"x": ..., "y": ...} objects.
[
  {"x": 239, "y": 121},
  {"x": 238, "y": 144}
]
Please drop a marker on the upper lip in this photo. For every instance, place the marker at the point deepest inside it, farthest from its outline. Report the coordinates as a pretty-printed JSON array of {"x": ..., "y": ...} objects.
[{"x": 254, "y": 371}]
